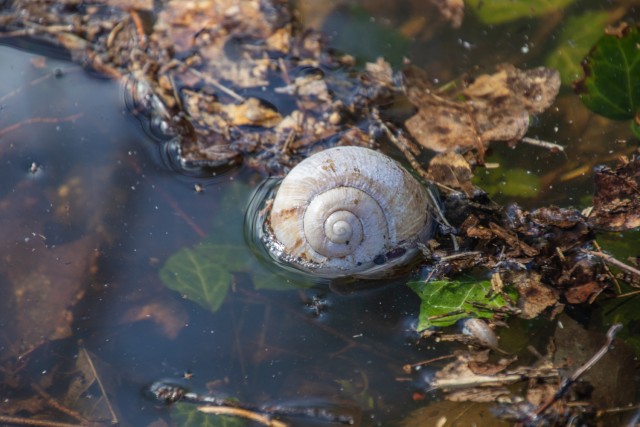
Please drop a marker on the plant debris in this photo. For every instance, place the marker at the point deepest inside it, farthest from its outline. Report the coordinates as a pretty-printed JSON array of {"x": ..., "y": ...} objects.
[
  {"x": 489, "y": 108},
  {"x": 616, "y": 203},
  {"x": 475, "y": 377},
  {"x": 237, "y": 82}
]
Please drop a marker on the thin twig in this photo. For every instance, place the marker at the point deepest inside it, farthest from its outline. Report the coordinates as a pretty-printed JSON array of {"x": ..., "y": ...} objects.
[
  {"x": 114, "y": 417},
  {"x": 606, "y": 267},
  {"x": 459, "y": 255},
  {"x": 410, "y": 367},
  {"x": 19, "y": 421},
  {"x": 243, "y": 413},
  {"x": 611, "y": 260},
  {"x": 544, "y": 144},
  {"x": 32, "y": 120},
  {"x": 51, "y": 401},
  {"x": 567, "y": 383},
  {"x": 207, "y": 78}
]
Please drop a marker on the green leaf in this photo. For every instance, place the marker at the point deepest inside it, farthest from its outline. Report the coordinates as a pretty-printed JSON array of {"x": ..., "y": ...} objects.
[
  {"x": 201, "y": 274},
  {"x": 441, "y": 297},
  {"x": 186, "y": 415},
  {"x": 611, "y": 86},
  {"x": 501, "y": 11},
  {"x": 579, "y": 33},
  {"x": 510, "y": 182}
]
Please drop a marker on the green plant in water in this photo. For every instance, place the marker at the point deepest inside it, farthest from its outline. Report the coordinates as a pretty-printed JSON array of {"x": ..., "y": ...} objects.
[
  {"x": 501, "y": 11},
  {"x": 445, "y": 302},
  {"x": 204, "y": 272},
  {"x": 611, "y": 85},
  {"x": 577, "y": 36}
]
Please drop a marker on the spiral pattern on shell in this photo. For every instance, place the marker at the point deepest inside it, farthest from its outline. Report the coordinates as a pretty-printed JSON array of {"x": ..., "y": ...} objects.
[{"x": 349, "y": 211}]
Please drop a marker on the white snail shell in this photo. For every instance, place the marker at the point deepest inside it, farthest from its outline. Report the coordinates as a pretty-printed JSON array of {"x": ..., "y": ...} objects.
[{"x": 349, "y": 211}]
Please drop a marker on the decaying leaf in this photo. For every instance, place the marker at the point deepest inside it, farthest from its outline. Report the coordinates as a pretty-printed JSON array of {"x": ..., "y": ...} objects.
[
  {"x": 452, "y": 170},
  {"x": 616, "y": 203},
  {"x": 495, "y": 107},
  {"x": 534, "y": 296},
  {"x": 43, "y": 281},
  {"x": 90, "y": 390},
  {"x": 167, "y": 314}
]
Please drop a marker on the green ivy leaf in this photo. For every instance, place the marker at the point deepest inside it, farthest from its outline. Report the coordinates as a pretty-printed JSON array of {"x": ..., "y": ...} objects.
[
  {"x": 202, "y": 273},
  {"x": 578, "y": 35},
  {"x": 611, "y": 86},
  {"x": 441, "y": 297},
  {"x": 186, "y": 415},
  {"x": 508, "y": 182},
  {"x": 501, "y": 11}
]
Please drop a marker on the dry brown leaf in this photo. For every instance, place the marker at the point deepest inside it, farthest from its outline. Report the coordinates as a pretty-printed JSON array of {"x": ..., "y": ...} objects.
[
  {"x": 616, "y": 204},
  {"x": 495, "y": 107},
  {"x": 451, "y": 169},
  {"x": 534, "y": 296}
]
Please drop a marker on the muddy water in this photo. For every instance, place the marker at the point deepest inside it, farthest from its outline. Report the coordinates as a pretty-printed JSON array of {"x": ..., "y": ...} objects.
[{"x": 104, "y": 189}]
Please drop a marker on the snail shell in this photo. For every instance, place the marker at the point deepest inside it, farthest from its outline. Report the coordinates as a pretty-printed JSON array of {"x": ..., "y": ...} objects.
[{"x": 348, "y": 211}]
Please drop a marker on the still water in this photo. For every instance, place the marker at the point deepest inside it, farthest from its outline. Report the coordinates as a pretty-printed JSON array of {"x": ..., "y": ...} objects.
[{"x": 92, "y": 206}]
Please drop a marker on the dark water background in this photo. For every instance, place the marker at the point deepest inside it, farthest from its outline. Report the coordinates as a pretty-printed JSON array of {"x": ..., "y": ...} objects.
[{"x": 304, "y": 346}]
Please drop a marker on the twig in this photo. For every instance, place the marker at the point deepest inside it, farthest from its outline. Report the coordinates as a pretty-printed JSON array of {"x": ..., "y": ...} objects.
[
  {"x": 35, "y": 82},
  {"x": 567, "y": 383},
  {"x": 410, "y": 367},
  {"x": 207, "y": 78},
  {"x": 606, "y": 267},
  {"x": 32, "y": 120},
  {"x": 459, "y": 255},
  {"x": 449, "y": 314},
  {"x": 114, "y": 417},
  {"x": 544, "y": 144},
  {"x": 19, "y": 421},
  {"x": 171, "y": 393},
  {"x": 611, "y": 260},
  {"x": 51, "y": 401},
  {"x": 243, "y": 413}
]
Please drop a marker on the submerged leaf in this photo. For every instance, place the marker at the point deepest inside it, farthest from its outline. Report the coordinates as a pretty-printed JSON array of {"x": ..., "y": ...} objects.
[
  {"x": 611, "y": 86},
  {"x": 460, "y": 299},
  {"x": 578, "y": 35},
  {"x": 200, "y": 274},
  {"x": 501, "y": 11}
]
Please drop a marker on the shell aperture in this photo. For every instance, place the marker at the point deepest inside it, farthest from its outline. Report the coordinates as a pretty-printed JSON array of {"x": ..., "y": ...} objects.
[{"x": 340, "y": 211}]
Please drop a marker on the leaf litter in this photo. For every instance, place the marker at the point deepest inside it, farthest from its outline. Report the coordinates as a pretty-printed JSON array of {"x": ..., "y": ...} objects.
[{"x": 206, "y": 87}]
